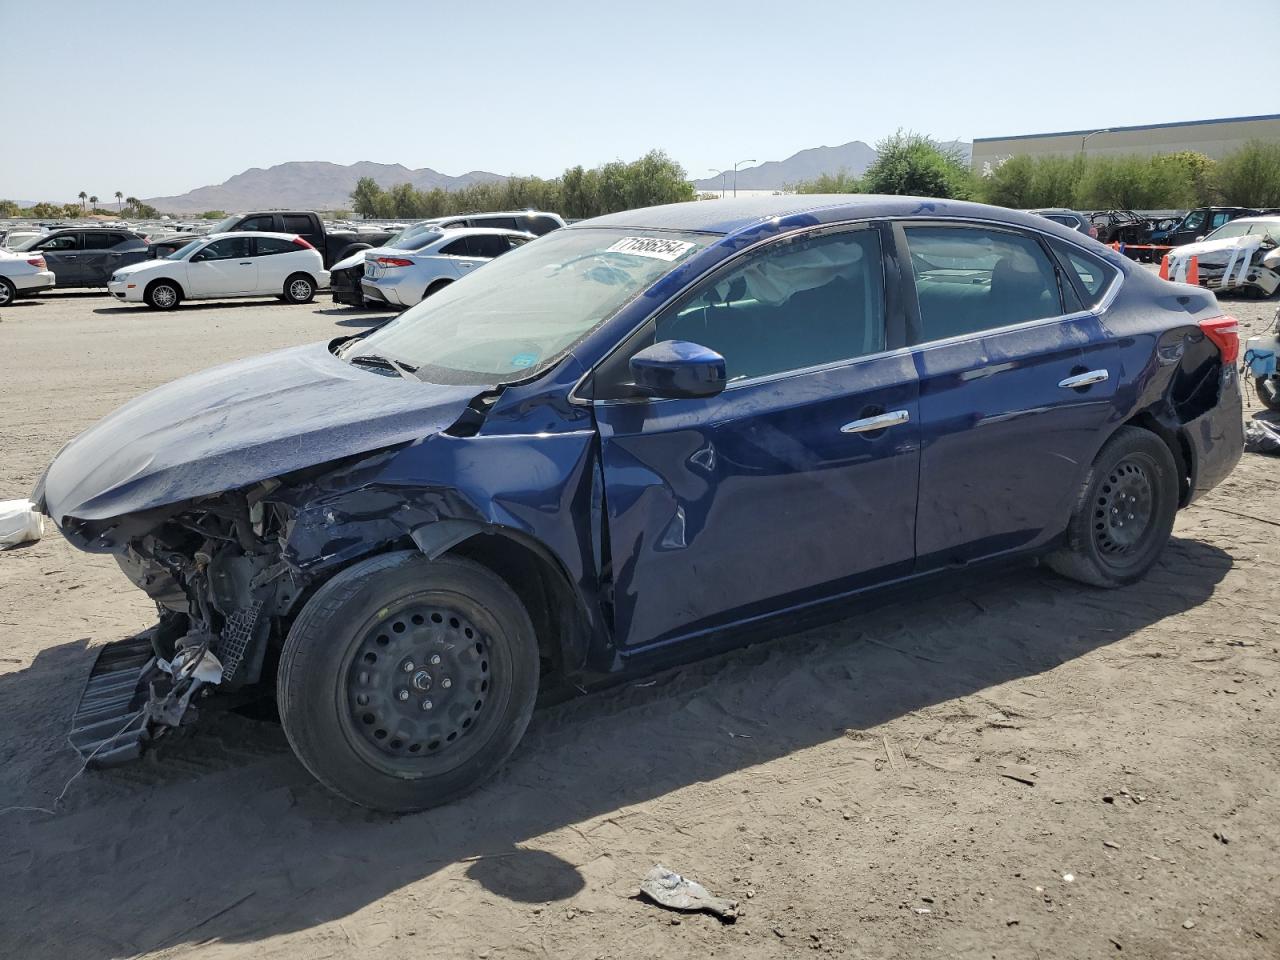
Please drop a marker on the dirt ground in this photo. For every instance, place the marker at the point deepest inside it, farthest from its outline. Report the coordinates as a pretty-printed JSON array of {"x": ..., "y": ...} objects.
[{"x": 845, "y": 783}]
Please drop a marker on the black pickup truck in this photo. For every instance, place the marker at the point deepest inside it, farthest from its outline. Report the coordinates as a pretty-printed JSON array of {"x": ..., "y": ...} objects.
[{"x": 306, "y": 224}]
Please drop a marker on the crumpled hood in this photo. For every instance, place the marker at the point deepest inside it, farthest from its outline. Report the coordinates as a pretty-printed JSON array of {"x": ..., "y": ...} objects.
[
  {"x": 1219, "y": 251},
  {"x": 239, "y": 423},
  {"x": 140, "y": 267}
]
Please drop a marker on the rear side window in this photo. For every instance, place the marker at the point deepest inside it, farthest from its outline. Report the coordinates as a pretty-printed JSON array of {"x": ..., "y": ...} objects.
[
  {"x": 970, "y": 279},
  {"x": 297, "y": 224},
  {"x": 458, "y": 248},
  {"x": 497, "y": 223},
  {"x": 489, "y": 245},
  {"x": 798, "y": 304},
  {"x": 227, "y": 248},
  {"x": 1093, "y": 275},
  {"x": 96, "y": 241},
  {"x": 266, "y": 246},
  {"x": 115, "y": 239}
]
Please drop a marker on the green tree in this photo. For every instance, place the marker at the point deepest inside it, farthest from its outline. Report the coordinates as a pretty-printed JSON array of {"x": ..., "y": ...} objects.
[
  {"x": 840, "y": 182},
  {"x": 83, "y": 197},
  {"x": 213, "y": 215},
  {"x": 70, "y": 211},
  {"x": 9, "y": 209},
  {"x": 119, "y": 201},
  {"x": 47, "y": 211},
  {"x": 1198, "y": 170},
  {"x": 1250, "y": 176},
  {"x": 911, "y": 164},
  {"x": 1134, "y": 182},
  {"x": 366, "y": 197}
]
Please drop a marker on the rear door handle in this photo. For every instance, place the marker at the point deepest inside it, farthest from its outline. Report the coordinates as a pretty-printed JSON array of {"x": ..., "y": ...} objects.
[
  {"x": 878, "y": 422},
  {"x": 246, "y": 263},
  {"x": 1083, "y": 379}
]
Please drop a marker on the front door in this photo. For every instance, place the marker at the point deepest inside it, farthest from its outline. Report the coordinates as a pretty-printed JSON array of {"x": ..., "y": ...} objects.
[
  {"x": 1016, "y": 383},
  {"x": 795, "y": 484},
  {"x": 62, "y": 254},
  {"x": 223, "y": 268}
]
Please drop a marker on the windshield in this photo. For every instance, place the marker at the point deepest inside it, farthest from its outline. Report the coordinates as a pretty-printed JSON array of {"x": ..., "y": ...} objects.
[
  {"x": 224, "y": 225},
  {"x": 29, "y": 243},
  {"x": 524, "y": 310},
  {"x": 1239, "y": 229},
  {"x": 182, "y": 252}
]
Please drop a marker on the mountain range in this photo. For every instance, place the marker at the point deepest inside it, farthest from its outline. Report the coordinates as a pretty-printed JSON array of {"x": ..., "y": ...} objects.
[
  {"x": 319, "y": 185},
  {"x": 308, "y": 185}
]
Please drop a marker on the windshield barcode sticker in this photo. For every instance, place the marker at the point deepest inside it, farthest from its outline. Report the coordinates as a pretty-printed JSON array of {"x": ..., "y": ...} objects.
[{"x": 652, "y": 247}]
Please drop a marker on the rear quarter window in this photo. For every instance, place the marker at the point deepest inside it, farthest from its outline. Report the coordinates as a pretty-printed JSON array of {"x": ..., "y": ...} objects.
[
  {"x": 1093, "y": 275},
  {"x": 266, "y": 246},
  {"x": 296, "y": 224}
]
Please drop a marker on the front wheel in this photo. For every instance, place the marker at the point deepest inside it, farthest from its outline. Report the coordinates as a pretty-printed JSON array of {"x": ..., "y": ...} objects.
[
  {"x": 406, "y": 682},
  {"x": 162, "y": 295},
  {"x": 8, "y": 292},
  {"x": 1124, "y": 514},
  {"x": 299, "y": 288}
]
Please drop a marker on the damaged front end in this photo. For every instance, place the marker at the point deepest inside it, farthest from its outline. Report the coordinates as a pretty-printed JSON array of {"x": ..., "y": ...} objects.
[{"x": 215, "y": 569}]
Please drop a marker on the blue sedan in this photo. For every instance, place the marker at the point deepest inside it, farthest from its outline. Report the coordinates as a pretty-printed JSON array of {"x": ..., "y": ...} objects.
[{"x": 632, "y": 437}]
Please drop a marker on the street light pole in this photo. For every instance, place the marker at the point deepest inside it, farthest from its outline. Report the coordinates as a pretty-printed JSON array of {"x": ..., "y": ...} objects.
[
  {"x": 735, "y": 174},
  {"x": 723, "y": 174},
  {"x": 1085, "y": 138}
]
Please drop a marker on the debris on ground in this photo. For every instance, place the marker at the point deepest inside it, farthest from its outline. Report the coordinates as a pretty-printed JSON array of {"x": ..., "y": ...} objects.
[
  {"x": 1261, "y": 437},
  {"x": 20, "y": 523},
  {"x": 1019, "y": 772},
  {"x": 668, "y": 889}
]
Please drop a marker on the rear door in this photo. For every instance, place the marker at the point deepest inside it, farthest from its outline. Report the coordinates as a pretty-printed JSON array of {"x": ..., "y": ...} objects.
[
  {"x": 464, "y": 255},
  {"x": 1016, "y": 381},
  {"x": 273, "y": 257},
  {"x": 785, "y": 489},
  {"x": 223, "y": 268}
]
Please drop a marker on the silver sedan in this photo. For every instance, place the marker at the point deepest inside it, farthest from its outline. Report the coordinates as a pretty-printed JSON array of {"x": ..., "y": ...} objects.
[
  {"x": 22, "y": 275},
  {"x": 401, "y": 278}
]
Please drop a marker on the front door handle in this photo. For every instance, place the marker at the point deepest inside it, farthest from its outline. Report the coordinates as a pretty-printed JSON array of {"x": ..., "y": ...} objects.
[
  {"x": 878, "y": 422},
  {"x": 246, "y": 263},
  {"x": 1083, "y": 379},
  {"x": 70, "y": 256}
]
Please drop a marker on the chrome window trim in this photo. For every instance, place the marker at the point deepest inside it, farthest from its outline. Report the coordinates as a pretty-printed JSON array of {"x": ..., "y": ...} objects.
[{"x": 1103, "y": 304}]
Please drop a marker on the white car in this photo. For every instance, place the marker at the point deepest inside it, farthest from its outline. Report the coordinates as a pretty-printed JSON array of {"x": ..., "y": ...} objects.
[
  {"x": 22, "y": 275},
  {"x": 404, "y": 277},
  {"x": 1243, "y": 254},
  {"x": 225, "y": 265}
]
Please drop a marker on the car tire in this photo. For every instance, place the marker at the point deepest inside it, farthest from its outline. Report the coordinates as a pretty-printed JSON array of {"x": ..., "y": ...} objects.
[
  {"x": 162, "y": 295},
  {"x": 435, "y": 288},
  {"x": 1124, "y": 514},
  {"x": 8, "y": 292},
  {"x": 299, "y": 288},
  {"x": 450, "y": 634},
  {"x": 1268, "y": 390}
]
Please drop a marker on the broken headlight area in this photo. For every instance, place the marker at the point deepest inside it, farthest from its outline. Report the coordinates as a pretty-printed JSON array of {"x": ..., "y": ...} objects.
[{"x": 215, "y": 570}]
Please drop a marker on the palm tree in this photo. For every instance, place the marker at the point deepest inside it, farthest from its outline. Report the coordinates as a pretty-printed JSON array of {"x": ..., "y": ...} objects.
[
  {"x": 132, "y": 201},
  {"x": 83, "y": 197},
  {"x": 119, "y": 201},
  {"x": 93, "y": 202}
]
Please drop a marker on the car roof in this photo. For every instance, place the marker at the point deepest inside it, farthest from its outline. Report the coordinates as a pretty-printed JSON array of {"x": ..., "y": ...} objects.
[
  {"x": 733, "y": 215},
  {"x": 246, "y": 233},
  {"x": 482, "y": 232},
  {"x": 1262, "y": 219}
]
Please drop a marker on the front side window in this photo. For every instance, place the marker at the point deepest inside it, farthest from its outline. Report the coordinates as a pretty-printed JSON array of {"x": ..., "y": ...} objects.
[
  {"x": 1195, "y": 220},
  {"x": 525, "y": 310},
  {"x": 225, "y": 249},
  {"x": 970, "y": 279},
  {"x": 296, "y": 224},
  {"x": 799, "y": 304},
  {"x": 65, "y": 241}
]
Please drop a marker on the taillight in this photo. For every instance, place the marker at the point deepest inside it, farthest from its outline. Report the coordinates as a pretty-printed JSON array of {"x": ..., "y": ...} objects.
[
  {"x": 299, "y": 242},
  {"x": 38, "y": 263},
  {"x": 394, "y": 262},
  {"x": 1224, "y": 332}
]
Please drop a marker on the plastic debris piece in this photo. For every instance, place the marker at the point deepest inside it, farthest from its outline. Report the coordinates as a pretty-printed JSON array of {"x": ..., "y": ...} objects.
[
  {"x": 668, "y": 889},
  {"x": 1259, "y": 437},
  {"x": 20, "y": 522}
]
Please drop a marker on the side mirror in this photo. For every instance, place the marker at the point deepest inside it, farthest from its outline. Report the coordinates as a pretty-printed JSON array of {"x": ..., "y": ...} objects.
[{"x": 677, "y": 368}]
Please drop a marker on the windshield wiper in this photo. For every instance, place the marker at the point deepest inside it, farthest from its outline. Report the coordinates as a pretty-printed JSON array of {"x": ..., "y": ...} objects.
[{"x": 373, "y": 360}]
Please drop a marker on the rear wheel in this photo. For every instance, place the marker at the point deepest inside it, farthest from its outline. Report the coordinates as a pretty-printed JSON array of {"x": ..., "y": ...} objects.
[
  {"x": 406, "y": 682},
  {"x": 162, "y": 295},
  {"x": 435, "y": 288},
  {"x": 8, "y": 292},
  {"x": 1268, "y": 389},
  {"x": 299, "y": 288},
  {"x": 1125, "y": 512}
]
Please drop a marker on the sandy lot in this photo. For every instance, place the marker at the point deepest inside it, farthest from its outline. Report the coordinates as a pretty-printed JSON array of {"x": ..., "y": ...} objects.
[{"x": 845, "y": 783}]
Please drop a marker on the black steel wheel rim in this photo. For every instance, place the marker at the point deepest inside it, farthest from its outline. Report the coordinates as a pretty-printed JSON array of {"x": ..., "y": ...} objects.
[
  {"x": 1124, "y": 509},
  {"x": 420, "y": 687}
]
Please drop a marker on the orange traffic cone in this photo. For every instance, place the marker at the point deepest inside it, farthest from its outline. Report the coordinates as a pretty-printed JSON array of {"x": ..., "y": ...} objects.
[
  {"x": 1193, "y": 272},
  {"x": 1164, "y": 267}
]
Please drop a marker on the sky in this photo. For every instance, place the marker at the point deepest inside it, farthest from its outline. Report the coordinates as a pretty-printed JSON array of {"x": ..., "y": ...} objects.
[{"x": 158, "y": 98}]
